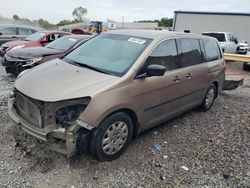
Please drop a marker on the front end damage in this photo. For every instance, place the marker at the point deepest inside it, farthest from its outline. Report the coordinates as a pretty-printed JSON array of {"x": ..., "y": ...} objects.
[
  {"x": 15, "y": 65},
  {"x": 55, "y": 123}
]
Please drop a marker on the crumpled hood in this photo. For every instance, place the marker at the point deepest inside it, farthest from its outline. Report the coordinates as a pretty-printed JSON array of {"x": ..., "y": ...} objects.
[
  {"x": 15, "y": 43},
  {"x": 58, "y": 80},
  {"x": 32, "y": 52}
]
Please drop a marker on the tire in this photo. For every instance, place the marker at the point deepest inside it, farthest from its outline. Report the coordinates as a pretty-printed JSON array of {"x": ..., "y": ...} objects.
[
  {"x": 246, "y": 67},
  {"x": 209, "y": 98},
  {"x": 104, "y": 142}
]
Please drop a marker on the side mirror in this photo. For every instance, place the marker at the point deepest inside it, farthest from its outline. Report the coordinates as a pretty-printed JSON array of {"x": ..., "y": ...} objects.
[
  {"x": 155, "y": 70},
  {"x": 1, "y": 33},
  {"x": 236, "y": 41}
]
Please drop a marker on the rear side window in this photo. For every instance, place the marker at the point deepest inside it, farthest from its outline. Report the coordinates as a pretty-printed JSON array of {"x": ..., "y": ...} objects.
[
  {"x": 212, "y": 50},
  {"x": 189, "y": 52},
  {"x": 9, "y": 31},
  {"x": 164, "y": 54},
  {"x": 24, "y": 31}
]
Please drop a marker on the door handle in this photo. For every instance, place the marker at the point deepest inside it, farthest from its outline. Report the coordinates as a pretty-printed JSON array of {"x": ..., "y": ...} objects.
[
  {"x": 177, "y": 79},
  {"x": 14, "y": 37},
  {"x": 189, "y": 75}
]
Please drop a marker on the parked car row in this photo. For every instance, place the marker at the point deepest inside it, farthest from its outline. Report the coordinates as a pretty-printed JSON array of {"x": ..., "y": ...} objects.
[
  {"x": 40, "y": 38},
  {"x": 103, "y": 92},
  {"x": 15, "y": 61},
  {"x": 14, "y": 32}
]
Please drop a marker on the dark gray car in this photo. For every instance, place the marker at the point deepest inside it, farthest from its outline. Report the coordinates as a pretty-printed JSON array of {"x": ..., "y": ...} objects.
[{"x": 14, "y": 32}]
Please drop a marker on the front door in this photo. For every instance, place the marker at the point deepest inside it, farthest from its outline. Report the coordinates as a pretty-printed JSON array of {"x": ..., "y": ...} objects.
[{"x": 159, "y": 97}]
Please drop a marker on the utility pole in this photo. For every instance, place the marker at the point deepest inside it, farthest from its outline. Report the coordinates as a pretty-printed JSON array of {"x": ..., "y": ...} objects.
[{"x": 122, "y": 22}]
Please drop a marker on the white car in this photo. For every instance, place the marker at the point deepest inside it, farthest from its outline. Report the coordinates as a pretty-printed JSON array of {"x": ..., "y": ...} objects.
[
  {"x": 227, "y": 41},
  {"x": 243, "y": 47}
]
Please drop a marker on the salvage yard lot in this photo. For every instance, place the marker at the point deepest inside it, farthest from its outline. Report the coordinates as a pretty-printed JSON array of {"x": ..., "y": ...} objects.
[{"x": 213, "y": 146}]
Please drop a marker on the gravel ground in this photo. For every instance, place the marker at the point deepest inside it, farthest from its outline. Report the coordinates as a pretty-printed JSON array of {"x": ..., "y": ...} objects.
[{"x": 198, "y": 149}]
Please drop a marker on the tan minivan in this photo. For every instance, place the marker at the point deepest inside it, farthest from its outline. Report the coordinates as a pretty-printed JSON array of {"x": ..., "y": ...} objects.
[{"x": 115, "y": 86}]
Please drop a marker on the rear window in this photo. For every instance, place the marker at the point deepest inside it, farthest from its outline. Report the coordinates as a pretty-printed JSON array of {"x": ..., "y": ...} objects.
[
  {"x": 219, "y": 36},
  {"x": 212, "y": 51},
  {"x": 25, "y": 31},
  {"x": 35, "y": 37},
  {"x": 63, "y": 43}
]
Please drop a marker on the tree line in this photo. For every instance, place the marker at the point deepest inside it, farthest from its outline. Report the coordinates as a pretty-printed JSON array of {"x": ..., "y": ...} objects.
[
  {"x": 163, "y": 22},
  {"x": 78, "y": 15}
]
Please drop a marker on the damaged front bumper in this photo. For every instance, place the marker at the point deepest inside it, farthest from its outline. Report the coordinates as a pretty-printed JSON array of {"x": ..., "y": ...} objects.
[
  {"x": 58, "y": 139},
  {"x": 12, "y": 67}
]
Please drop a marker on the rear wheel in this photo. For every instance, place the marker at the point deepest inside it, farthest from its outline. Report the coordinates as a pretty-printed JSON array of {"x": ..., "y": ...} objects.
[
  {"x": 209, "y": 98},
  {"x": 112, "y": 137}
]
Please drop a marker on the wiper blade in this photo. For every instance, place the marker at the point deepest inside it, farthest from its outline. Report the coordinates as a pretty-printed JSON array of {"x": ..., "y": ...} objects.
[
  {"x": 85, "y": 65},
  {"x": 50, "y": 47}
]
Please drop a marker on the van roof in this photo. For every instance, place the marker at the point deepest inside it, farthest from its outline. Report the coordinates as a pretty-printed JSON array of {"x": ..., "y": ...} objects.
[{"x": 154, "y": 34}]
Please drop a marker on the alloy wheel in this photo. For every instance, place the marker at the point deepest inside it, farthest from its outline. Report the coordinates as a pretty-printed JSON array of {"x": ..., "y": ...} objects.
[{"x": 115, "y": 137}]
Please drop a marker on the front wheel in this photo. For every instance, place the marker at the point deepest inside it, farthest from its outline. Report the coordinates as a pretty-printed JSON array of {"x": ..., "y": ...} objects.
[
  {"x": 111, "y": 137},
  {"x": 209, "y": 98}
]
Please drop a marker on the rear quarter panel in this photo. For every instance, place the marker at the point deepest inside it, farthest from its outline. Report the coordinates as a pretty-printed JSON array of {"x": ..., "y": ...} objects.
[{"x": 216, "y": 72}]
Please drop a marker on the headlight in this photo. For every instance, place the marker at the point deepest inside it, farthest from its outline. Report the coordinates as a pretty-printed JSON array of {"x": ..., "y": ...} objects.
[
  {"x": 36, "y": 60},
  {"x": 17, "y": 47},
  {"x": 32, "y": 62},
  {"x": 68, "y": 115}
]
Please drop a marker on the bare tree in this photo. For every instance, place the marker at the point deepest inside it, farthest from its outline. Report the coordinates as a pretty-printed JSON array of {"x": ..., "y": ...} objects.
[{"x": 79, "y": 13}]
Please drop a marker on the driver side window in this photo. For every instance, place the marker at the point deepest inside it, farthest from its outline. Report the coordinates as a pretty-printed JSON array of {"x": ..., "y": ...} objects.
[
  {"x": 164, "y": 54},
  {"x": 50, "y": 38}
]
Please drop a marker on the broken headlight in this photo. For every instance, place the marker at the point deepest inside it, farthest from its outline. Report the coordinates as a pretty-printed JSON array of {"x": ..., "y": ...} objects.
[
  {"x": 32, "y": 62},
  {"x": 67, "y": 115}
]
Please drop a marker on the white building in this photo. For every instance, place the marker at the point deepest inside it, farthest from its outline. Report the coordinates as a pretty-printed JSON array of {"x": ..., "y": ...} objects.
[
  {"x": 198, "y": 22},
  {"x": 136, "y": 25}
]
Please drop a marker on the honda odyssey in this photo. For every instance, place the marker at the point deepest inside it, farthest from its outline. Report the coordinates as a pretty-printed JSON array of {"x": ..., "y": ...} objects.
[{"x": 115, "y": 86}]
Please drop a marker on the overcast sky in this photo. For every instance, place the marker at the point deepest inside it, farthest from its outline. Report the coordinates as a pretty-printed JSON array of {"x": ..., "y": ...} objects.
[{"x": 132, "y": 10}]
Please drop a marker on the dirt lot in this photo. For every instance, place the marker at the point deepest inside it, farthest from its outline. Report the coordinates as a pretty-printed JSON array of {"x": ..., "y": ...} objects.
[{"x": 198, "y": 149}]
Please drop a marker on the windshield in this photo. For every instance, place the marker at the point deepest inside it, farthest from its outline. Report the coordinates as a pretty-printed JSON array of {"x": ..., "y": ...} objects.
[
  {"x": 34, "y": 37},
  {"x": 219, "y": 36},
  {"x": 113, "y": 54},
  {"x": 63, "y": 43}
]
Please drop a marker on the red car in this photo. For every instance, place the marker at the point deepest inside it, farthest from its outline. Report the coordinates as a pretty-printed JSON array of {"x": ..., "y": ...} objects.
[{"x": 40, "y": 38}]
